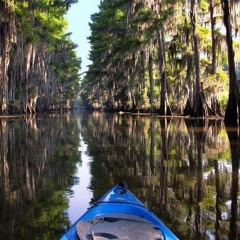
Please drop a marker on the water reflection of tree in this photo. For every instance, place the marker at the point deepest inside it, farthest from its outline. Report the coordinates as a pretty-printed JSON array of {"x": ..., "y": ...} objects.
[
  {"x": 178, "y": 168},
  {"x": 198, "y": 129},
  {"x": 164, "y": 123},
  {"x": 234, "y": 138},
  {"x": 38, "y": 158}
]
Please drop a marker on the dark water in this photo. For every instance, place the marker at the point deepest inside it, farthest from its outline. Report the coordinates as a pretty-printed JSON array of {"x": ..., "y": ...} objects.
[{"x": 53, "y": 167}]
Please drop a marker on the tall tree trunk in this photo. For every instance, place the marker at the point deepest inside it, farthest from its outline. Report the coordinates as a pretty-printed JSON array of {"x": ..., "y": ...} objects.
[
  {"x": 213, "y": 22},
  {"x": 233, "y": 106},
  {"x": 200, "y": 108},
  {"x": 150, "y": 70},
  {"x": 7, "y": 38},
  {"x": 189, "y": 104},
  {"x": 165, "y": 109},
  {"x": 215, "y": 104},
  {"x": 197, "y": 111}
]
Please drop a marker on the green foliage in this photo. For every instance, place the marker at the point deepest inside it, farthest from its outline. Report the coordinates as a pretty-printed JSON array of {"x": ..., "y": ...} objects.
[
  {"x": 218, "y": 84},
  {"x": 123, "y": 35},
  {"x": 222, "y": 80},
  {"x": 236, "y": 46},
  {"x": 205, "y": 64},
  {"x": 223, "y": 99},
  {"x": 145, "y": 14},
  {"x": 54, "y": 67},
  {"x": 20, "y": 8},
  {"x": 52, "y": 28},
  {"x": 41, "y": 20},
  {"x": 223, "y": 60},
  {"x": 125, "y": 44},
  {"x": 204, "y": 32},
  {"x": 222, "y": 76},
  {"x": 156, "y": 92},
  {"x": 119, "y": 15},
  {"x": 204, "y": 5}
]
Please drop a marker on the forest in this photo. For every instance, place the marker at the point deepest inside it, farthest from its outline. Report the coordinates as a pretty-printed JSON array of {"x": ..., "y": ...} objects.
[
  {"x": 39, "y": 68},
  {"x": 166, "y": 57}
]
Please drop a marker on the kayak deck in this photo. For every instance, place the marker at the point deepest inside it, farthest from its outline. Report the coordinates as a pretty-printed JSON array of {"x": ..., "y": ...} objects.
[
  {"x": 119, "y": 215},
  {"x": 118, "y": 227}
]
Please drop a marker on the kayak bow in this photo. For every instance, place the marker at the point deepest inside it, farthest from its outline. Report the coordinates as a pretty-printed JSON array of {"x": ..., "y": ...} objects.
[{"x": 119, "y": 214}]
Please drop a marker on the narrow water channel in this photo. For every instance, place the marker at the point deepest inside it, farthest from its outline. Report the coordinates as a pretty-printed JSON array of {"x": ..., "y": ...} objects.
[{"x": 82, "y": 195}]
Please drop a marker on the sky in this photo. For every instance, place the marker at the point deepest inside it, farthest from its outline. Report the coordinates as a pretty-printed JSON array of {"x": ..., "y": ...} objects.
[{"x": 78, "y": 17}]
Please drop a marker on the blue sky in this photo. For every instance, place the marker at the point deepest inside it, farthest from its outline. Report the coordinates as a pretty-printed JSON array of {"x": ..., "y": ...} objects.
[{"x": 78, "y": 18}]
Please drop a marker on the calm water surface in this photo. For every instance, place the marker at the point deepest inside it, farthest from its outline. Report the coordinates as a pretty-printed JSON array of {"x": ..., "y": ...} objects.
[{"x": 52, "y": 167}]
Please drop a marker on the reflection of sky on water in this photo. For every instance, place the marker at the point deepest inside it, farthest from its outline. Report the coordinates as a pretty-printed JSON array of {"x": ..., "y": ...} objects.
[
  {"x": 223, "y": 165},
  {"x": 79, "y": 201}
]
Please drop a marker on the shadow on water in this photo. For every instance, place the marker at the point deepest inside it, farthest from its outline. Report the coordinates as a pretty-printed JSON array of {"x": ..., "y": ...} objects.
[
  {"x": 234, "y": 138},
  {"x": 186, "y": 171}
]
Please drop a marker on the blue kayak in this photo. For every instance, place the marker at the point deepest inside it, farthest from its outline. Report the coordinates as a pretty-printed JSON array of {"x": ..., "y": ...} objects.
[{"x": 119, "y": 214}]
